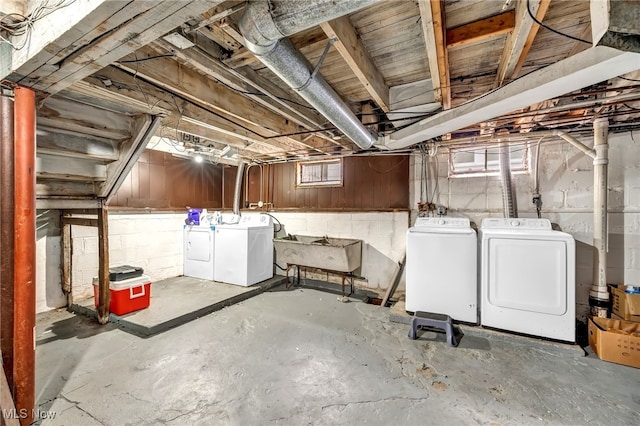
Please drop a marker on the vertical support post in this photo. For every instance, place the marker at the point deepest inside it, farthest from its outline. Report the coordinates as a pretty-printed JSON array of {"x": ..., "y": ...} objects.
[
  {"x": 24, "y": 271},
  {"x": 6, "y": 236},
  {"x": 600, "y": 211},
  {"x": 103, "y": 265},
  {"x": 66, "y": 259}
]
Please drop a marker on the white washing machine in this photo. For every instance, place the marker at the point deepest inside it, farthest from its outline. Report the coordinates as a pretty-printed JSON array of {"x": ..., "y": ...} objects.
[
  {"x": 527, "y": 276},
  {"x": 199, "y": 248},
  {"x": 244, "y": 251},
  {"x": 441, "y": 268}
]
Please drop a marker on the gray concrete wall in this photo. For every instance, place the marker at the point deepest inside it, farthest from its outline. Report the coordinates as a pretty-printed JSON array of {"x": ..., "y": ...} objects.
[{"x": 566, "y": 185}]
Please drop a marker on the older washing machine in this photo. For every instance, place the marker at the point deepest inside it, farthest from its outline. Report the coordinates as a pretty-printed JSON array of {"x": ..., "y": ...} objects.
[
  {"x": 441, "y": 268},
  {"x": 244, "y": 250},
  {"x": 527, "y": 278}
]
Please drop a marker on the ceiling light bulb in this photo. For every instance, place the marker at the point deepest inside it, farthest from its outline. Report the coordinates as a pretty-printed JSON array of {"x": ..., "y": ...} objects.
[{"x": 198, "y": 158}]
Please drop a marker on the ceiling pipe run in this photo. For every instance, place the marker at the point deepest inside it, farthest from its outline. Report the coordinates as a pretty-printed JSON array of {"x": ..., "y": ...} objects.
[
  {"x": 583, "y": 69},
  {"x": 265, "y": 26}
]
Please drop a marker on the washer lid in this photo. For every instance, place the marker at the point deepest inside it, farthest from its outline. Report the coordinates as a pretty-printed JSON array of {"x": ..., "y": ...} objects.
[
  {"x": 443, "y": 222},
  {"x": 516, "y": 224}
]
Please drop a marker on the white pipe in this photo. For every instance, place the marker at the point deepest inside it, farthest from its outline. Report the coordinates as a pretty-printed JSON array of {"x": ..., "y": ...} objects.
[
  {"x": 238, "y": 189},
  {"x": 575, "y": 142},
  {"x": 600, "y": 185}
]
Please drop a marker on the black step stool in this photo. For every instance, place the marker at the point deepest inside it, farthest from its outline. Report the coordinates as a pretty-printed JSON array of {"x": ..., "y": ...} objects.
[{"x": 442, "y": 322}]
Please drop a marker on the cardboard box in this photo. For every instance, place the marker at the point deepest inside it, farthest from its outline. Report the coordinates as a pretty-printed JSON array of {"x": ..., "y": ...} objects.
[
  {"x": 615, "y": 340},
  {"x": 127, "y": 295},
  {"x": 625, "y": 305}
]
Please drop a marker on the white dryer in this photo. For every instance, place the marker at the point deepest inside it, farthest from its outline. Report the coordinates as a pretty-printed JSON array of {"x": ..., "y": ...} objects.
[
  {"x": 527, "y": 276},
  {"x": 199, "y": 247},
  {"x": 441, "y": 268},
  {"x": 244, "y": 250}
]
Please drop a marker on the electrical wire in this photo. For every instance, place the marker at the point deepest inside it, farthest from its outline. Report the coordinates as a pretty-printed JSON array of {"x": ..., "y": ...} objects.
[
  {"x": 629, "y": 79},
  {"x": 276, "y": 219},
  {"x": 551, "y": 29},
  {"x": 170, "y": 55}
]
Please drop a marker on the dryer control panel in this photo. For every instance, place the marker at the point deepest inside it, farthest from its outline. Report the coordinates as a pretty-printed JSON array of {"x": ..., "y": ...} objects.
[
  {"x": 516, "y": 223},
  {"x": 448, "y": 222}
]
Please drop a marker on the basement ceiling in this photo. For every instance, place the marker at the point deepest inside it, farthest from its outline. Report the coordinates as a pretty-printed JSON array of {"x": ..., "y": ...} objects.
[{"x": 123, "y": 63}]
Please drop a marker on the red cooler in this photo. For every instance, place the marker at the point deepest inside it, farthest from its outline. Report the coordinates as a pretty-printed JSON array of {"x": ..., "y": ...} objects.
[{"x": 127, "y": 295}]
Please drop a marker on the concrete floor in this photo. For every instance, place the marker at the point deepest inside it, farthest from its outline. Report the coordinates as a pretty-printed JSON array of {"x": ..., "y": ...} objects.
[{"x": 302, "y": 357}]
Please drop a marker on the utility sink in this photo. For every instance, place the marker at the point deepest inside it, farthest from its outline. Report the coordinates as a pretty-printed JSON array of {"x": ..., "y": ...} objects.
[{"x": 333, "y": 254}]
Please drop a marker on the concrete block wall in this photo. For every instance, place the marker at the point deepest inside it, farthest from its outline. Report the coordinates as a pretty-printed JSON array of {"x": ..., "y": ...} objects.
[
  {"x": 152, "y": 241},
  {"x": 566, "y": 185},
  {"x": 383, "y": 236}
]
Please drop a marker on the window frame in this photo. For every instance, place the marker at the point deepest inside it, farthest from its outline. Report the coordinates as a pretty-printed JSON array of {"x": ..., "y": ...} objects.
[
  {"x": 323, "y": 183},
  {"x": 517, "y": 167}
]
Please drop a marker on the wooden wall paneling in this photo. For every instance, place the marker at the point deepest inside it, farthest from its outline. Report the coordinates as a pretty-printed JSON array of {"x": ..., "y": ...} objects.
[{"x": 157, "y": 182}]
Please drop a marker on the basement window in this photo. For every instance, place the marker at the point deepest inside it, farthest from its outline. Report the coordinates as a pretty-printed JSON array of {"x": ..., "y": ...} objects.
[
  {"x": 319, "y": 173},
  {"x": 485, "y": 161}
]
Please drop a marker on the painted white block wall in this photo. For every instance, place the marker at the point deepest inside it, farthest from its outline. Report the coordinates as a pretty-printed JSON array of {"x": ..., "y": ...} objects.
[
  {"x": 383, "y": 236},
  {"x": 152, "y": 241},
  {"x": 49, "y": 293},
  {"x": 566, "y": 185}
]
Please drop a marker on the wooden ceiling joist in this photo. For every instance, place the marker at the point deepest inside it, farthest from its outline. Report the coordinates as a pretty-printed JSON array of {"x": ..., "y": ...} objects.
[
  {"x": 481, "y": 30},
  {"x": 169, "y": 75},
  {"x": 434, "y": 31},
  {"x": 520, "y": 40},
  {"x": 357, "y": 57}
]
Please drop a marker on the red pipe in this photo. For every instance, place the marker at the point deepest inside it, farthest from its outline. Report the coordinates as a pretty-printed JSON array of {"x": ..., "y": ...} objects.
[
  {"x": 6, "y": 236},
  {"x": 25, "y": 252}
]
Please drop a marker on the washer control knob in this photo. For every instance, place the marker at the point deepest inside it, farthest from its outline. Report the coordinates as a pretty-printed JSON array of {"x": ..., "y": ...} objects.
[
  {"x": 441, "y": 222},
  {"x": 515, "y": 223}
]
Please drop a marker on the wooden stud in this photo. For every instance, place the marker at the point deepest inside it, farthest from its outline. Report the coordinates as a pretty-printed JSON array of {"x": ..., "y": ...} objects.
[
  {"x": 539, "y": 14},
  {"x": 104, "y": 297},
  {"x": 433, "y": 28}
]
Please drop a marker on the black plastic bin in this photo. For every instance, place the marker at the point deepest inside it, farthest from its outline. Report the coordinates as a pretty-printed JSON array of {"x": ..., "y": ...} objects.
[{"x": 124, "y": 272}]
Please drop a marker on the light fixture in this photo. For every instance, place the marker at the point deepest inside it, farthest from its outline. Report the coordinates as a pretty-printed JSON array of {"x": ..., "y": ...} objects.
[
  {"x": 198, "y": 158},
  {"x": 225, "y": 150}
]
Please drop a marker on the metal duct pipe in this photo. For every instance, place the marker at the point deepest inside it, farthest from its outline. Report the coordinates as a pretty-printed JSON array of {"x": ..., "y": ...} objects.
[
  {"x": 505, "y": 178},
  {"x": 600, "y": 185},
  {"x": 237, "y": 193},
  {"x": 265, "y": 26}
]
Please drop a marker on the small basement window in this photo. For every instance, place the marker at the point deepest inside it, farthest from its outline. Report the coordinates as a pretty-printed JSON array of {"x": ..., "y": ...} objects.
[
  {"x": 464, "y": 162},
  {"x": 319, "y": 173}
]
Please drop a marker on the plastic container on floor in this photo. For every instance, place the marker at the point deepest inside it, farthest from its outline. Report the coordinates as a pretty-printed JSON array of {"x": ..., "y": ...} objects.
[{"x": 128, "y": 295}]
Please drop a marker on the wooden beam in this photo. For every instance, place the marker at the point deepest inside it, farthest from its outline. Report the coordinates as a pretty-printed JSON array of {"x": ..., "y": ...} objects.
[
  {"x": 66, "y": 255},
  {"x": 50, "y": 32},
  {"x": 358, "y": 58},
  {"x": 144, "y": 127},
  {"x": 483, "y": 29},
  {"x": 126, "y": 90},
  {"x": 60, "y": 168},
  {"x": 80, "y": 221},
  {"x": 244, "y": 79},
  {"x": 433, "y": 29},
  {"x": 104, "y": 297},
  {"x": 539, "y": 14},
  {"x": 75, "y": 145},
  {"x": 253, "y": 86},
  {"x": 8, "y": 7},
  {"x": 135, "y": 33},
  {"x": 68, "y": 203},
  {"x": 520, "y": 39},
  {"x": 169, "y": 75},
  {"x": 218, "y": 17}
]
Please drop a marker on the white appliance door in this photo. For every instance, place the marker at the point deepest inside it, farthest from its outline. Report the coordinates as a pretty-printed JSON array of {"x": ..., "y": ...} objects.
[
  {"x": 442, "y": 274},
  {"x": 198, "y": 245},
  {"x": 528, "y": 275}
]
